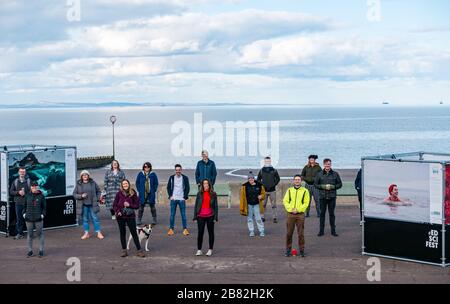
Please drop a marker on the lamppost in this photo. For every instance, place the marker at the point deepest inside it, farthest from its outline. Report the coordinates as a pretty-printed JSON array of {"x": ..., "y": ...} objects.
[{"x": 113, "y": 120}]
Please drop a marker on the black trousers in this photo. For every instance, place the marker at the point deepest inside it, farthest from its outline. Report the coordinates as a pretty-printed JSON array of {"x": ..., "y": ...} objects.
[
  {"x": 202, "y": 222},
  {"x": 131, "y": 223},
  {"x": 141, "y": 212},
  {"x": 331, "y": 205}
]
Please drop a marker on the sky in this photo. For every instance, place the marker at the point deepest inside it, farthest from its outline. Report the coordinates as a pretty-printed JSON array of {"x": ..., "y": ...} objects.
[{"x": 357, "y": 52}]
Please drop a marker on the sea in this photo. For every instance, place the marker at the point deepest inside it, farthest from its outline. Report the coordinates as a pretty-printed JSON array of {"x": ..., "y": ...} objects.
[{"x": 236, "y": 136}]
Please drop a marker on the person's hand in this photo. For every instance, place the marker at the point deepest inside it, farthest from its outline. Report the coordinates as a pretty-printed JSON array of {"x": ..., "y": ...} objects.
[
  {"x": 24, "y": 215},
  {"x": 260, "y": 197},
  {"x": 119, "y": 213},
  {"x": 171, "y": 198},
  {"x": 294, "y": 211},
  {"x": 327, "y": 187},
  {"x": 126, "y": 204},
  {"x": 22, "y": 192},
  {"x": 84, "y": 195},
  {"x": 42, "y": 216}
]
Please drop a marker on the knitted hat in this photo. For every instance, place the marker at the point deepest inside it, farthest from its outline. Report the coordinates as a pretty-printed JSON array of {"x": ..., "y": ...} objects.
[
  {"x": 313, "y": 156},
  {"x": 250, "y": 175},
  {"x": 84, "y": 172}
]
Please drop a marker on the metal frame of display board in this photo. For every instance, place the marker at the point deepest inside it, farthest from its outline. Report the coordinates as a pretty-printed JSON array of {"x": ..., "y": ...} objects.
[
  {"x": 406, "y": 157},
  {"x": 7, "y": 149}
]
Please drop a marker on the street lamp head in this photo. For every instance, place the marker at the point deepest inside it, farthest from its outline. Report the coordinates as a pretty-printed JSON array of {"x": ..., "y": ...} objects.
[{"x": 113, "y": 119}]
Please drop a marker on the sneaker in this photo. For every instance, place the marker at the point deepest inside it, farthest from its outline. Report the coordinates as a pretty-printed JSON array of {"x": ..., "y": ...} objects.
[
  {"x": 30, "y": 254},
  {"x": 262, "y": 234},
  {"x": 252, "y": 234},
  {"x": 124, "y": 253},
  {"x": 199, "y": 253},
  {"x": 113, "y": 217},
  {"x": 287, "y": 253},
  {"x": 320, "y": 234},
  {"x": 100, "y": 236},
  {"x": 41, "y": 253},
  {"x": 360, "y": 223},
  {"x": 140, "y": 254},
  {"x": 85, "y": 236},
  {"x": 185, "y": 232},
  {"x": 209, "y": 253},
  {"x": 170, "y": 232},
  {"x": 275, "y": 221},
  {"x": 19, "y": 236},
  {"x": 334, "y": 233}
]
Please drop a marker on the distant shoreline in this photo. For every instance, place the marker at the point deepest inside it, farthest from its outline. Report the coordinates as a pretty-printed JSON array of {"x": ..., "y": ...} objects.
[{"x": 191, "y": 105}]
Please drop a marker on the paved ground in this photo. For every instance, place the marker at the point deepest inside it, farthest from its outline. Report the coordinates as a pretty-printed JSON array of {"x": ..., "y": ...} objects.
[{"x": 237, "y": 259}]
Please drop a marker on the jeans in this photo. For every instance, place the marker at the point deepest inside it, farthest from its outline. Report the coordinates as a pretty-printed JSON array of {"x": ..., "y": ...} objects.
[
  {"x": 20, "y": 222},
  {"x": 88, "y": 212},
  {"x": 173, "y": 211},
  {"x": 202, "y": 222},
  {"x": 30, "y": 235},
  {"x": 272, "y": 195},
  {"x": 131, "y": 223},
  {"x": 331, "y": 204},
  {"x": 141, "y": 212},
  {"x": 314, "y": 193},
  {"x": 295, "y": 220},
  {"x": 254, "y": 210}
]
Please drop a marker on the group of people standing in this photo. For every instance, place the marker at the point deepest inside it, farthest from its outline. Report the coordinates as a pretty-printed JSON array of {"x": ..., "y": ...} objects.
[
  {"x": 122, "y": 201},
  {"x": 320, "y": 185}
]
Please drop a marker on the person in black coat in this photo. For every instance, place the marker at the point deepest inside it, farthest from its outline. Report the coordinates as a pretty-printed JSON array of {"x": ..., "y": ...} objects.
[{"x": 358, "y": 187}]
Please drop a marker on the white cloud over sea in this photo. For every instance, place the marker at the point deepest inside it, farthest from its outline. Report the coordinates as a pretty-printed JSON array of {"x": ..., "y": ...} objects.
[{"x": 221, "y": 51}]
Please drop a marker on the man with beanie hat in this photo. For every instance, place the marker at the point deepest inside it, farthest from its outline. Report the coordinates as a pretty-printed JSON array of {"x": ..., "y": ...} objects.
[
  {"x": 252, "y": 198},
  {"x": 308, "y": 174}
]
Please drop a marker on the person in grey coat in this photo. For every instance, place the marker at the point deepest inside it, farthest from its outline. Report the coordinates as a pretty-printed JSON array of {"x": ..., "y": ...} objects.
[
  {"x": 113, "y": 179},
  {"x": 87, "y": 194}
]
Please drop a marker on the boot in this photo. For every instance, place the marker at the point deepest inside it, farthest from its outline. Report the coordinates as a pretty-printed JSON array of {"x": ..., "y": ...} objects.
[
  {"x": 140, "y": 254},
  {"x": 124, "y": 253}
]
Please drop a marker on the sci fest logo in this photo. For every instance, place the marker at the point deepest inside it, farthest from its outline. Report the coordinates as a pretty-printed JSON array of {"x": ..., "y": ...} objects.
[
  {"x": 69, "y": 207},
  {"x": 433, "y": 239}
]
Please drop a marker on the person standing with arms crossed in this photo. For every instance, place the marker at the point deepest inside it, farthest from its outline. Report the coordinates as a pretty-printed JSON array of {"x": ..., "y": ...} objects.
[
  {"x": 296, "y": 202},
  {"x": 146, "y": 185},
  {"x": 328, "y": 182},
  {"x": 268, "y": 176},
  {"x": 309, "y": 173}
]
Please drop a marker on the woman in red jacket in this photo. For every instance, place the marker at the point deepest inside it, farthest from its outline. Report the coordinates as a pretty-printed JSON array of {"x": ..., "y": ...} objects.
[
  {"x": 125, "y": 204},
  {"x": 206, "y": 214}
]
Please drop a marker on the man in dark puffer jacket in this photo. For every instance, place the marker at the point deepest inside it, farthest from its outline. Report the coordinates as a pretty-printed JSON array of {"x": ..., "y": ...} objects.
[{"x": 34, "y": 213}]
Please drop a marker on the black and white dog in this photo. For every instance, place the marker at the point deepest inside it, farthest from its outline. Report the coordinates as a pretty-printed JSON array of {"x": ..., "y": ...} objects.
[{"x": 143, "y": 233}]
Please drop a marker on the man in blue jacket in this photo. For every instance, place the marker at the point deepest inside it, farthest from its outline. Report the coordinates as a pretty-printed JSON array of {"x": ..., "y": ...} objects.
[
  {"x": 206, "y": 169},
  {"x": 178, "y": 191},
  {"x": 146, "y": 185}
]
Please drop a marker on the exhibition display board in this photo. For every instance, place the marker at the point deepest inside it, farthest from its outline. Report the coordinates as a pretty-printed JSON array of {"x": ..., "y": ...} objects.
[
  {"x": 54, "y": 168},
  {"x": 406, "y": 207}
]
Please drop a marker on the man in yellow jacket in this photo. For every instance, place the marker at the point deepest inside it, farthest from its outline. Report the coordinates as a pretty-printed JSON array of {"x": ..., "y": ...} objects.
[{"x": 296, "y": 202}]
